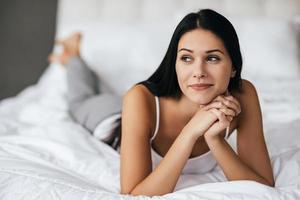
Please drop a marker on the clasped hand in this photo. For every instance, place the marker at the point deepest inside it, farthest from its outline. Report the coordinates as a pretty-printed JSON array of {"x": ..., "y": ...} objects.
[
  {"x": 213, "y": 118},
  {"x": 225, "y": 108}
]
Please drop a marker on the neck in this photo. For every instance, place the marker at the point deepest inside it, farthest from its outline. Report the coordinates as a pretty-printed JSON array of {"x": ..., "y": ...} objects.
[{"x": 187, "y": 108}]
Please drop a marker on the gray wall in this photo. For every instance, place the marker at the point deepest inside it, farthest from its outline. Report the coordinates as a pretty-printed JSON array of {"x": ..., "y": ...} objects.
[{"x": 27, "y": 30}]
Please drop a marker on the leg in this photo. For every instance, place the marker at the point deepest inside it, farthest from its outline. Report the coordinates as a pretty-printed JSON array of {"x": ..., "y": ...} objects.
[
  {"x": 86, "y": 106},
  {"x": 82, "y": 82}
]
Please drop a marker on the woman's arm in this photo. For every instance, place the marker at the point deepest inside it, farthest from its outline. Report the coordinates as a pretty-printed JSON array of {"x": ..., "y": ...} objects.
[
  {"x": 136, "y": 175},
  {"x": 136, "y": 165},
  {"x": 252, "y": 161}
]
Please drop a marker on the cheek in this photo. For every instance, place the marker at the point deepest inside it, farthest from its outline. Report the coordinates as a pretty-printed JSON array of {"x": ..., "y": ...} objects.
[
  {"x": 223, "y": 78},
  {"x": 182, "y": 76}
]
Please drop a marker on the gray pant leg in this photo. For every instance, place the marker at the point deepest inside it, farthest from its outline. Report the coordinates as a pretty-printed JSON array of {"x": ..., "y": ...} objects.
[{"x": 85, "y": 104}]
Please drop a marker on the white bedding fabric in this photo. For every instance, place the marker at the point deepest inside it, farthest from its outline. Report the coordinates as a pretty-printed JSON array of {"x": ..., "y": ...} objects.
[{"x": 45, "y": 155}]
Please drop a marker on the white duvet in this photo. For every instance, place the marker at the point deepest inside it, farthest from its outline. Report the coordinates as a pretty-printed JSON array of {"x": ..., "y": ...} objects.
[{"x": 45, "y": 155}]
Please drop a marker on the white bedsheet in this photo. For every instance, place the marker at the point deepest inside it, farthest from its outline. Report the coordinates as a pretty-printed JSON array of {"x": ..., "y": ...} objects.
[{"x": 45, "y": 155}]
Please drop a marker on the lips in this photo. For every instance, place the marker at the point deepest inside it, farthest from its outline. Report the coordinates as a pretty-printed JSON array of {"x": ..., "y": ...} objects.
[{"x": 200, "y": 86}]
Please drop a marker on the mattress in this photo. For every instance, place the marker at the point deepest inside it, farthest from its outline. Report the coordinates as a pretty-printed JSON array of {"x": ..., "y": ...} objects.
[{"x": 45, "y": 155}]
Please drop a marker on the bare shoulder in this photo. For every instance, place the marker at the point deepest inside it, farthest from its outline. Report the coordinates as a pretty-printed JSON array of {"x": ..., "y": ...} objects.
[
  {"x": 139, "y": 93},
  {"x": 248, "y": 99},
  {"x": 247, "y": 94},
  {"x": 139, "y": 106},
  {"x": 248, "y": 87}
]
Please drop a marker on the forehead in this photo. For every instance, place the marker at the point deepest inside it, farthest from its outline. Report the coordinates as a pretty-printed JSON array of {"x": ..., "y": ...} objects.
[{"x": 200, "y": 40}]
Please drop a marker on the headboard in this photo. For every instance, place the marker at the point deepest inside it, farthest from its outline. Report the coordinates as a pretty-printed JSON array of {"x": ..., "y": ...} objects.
[{"x": 26, "y": 38}]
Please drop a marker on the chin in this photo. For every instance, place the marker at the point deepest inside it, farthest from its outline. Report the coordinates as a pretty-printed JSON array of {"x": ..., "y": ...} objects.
[
  {"x": 204, "y": 98},
  {"x": 200, "y": 100}
]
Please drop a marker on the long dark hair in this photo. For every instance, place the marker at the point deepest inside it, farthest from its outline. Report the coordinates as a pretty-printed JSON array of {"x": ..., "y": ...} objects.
[{"x": 163, "y": 82}]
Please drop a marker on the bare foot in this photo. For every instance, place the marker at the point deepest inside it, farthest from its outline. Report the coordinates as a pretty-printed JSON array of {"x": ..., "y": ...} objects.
[{"x": 71, "y": 47}]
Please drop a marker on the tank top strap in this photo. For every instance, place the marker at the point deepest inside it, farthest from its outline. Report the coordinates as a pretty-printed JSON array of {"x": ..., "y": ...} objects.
[
  {"x": 227, "y": 132},
  {"x": 157, "y": 118}
]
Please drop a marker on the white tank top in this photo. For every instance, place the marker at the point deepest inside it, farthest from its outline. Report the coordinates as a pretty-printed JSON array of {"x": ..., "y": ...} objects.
[{"x": 197, "y": 165}]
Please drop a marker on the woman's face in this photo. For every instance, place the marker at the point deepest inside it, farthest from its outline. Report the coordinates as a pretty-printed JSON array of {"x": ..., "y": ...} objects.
[{"x": 203, "y": 66}]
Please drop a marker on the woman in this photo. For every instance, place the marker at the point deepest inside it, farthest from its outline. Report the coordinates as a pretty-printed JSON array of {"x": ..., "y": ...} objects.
[{"x": 178, "y": 120}]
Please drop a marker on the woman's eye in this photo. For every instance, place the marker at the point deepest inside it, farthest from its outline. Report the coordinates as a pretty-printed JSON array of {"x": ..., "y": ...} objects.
[
  {"x": 186, "y": 58},
  {"x": 213, "y": 58}
]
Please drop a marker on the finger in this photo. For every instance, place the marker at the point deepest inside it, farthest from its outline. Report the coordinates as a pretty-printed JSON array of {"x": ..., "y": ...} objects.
[
  {"x": 220, "y": 115},
  {"x": 229, "y": 118},
  {"x": 222, "y": 123},
  {"x": 235, "y": 101},
  {"x": 215, "y": 112},
  {"x": 228, "y": 112},
  {"x": 228, "y": 101},
  {"x": 233, "y": 110},
  {"x": 215, "y": 104},
  {"x": 231, "y": 104},
  {"x": 223, "y": 120}
]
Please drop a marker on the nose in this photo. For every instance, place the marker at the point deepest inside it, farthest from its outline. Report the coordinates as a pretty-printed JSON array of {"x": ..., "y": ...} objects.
[{"x": 199, "y": 70}]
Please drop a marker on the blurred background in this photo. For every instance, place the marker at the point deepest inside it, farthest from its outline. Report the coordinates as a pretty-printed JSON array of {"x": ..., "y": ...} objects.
[
  {"x": 26, "y": 38},
  {"x": 130, "y": 37}
]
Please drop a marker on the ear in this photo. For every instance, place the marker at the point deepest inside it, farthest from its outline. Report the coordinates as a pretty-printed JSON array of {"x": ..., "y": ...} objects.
[{"x": 233, "y": 72}]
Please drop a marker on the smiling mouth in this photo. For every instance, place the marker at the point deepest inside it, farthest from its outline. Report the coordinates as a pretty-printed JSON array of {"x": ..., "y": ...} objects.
[{"x": 200, "y": 87}]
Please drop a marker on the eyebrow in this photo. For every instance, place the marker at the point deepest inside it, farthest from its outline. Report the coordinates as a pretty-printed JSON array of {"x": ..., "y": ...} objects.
[
  {"x": 184, "y": 49},
  {"x": 213, "y": 50},
  {"x": 209, "y": 51}
]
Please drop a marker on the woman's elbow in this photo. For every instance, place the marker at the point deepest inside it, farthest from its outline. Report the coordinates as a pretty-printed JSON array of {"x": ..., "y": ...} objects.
[
  {"x": 126, "y": 191},
  {"x": 135, "y": 192},
  {"x": 131, "y": 192},
  {"x": 270, "y": 183}
]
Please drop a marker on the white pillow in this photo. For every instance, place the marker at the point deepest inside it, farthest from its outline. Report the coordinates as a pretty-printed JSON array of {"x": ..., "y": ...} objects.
[
  {"x": 269, "y": 48},
  {"x": 124, "y": 54}
]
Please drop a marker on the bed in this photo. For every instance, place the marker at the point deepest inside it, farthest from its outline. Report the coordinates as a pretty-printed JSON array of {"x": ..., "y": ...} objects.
[{"x": 45, "y": 155}]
